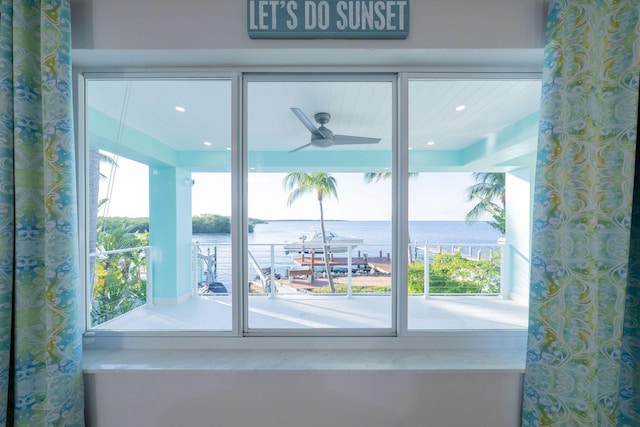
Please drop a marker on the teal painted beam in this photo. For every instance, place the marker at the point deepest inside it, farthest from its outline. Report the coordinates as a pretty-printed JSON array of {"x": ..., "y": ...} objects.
[
  {"x": 511, "y": 142},
  {"x": 205, "y": 161},
  {"x": 332, "y": 161},
  {"x": 504, "y": 149},
  {"x": 326, "y": 160},
  {"x": 106, "y": 134},
  {"x": 526, "y": 161},
  {"x": 434, "y": 160}
]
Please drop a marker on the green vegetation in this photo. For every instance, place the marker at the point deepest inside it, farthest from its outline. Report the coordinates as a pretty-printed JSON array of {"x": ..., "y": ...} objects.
[
  {"x": 448, "y": 274},
  {"x": 455, "y": 274},
  {"x": 343, "y": 288},
  {"x": 370, "y": 177},
  {"x": 120, "y": 283},
  {"x": 202, "y": 224},
  {"x": 212, "y": 224},
  {"x": 119, "y": 279},
  {"x": 118, "y": 224},
  {"x": 489, "y": 188}
]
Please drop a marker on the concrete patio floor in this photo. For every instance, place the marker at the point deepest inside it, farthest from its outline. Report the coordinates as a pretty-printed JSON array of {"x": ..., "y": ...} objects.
[{"x": 290, "y": 309}]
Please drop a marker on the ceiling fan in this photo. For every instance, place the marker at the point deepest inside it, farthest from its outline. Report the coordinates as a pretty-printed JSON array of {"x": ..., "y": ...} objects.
[{"x": 323, "y": 137}]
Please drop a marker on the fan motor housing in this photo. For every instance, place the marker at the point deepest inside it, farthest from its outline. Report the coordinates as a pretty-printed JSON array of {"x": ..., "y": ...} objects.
[{"x": 324, "y": 137}]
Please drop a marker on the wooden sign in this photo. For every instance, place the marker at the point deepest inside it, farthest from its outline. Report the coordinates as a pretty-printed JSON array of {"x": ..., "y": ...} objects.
[{"x": 328, "y": 19}]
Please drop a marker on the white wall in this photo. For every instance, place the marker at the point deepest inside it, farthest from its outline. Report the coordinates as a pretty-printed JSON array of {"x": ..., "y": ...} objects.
[
  {"x": 303, "y": 399},
  {"x": 504, "y": 35},
  {"x": 222, "y": 24},
  {"x": 518, "y": 233},
  {"x": 497, "y": 34}
]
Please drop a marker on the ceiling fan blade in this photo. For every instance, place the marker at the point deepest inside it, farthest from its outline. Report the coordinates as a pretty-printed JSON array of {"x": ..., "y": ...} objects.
[
  {"x": 306, "y": 121},
  {"x": 300, "y": 148},
  {"x": 346, "y": 140}
]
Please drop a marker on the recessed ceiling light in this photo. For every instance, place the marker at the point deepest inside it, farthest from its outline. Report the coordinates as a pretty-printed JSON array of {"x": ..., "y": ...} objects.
[
  {"x": 430, "y": 142},
  {"x": 460, "y": 107},
  {"x": 180, "y": 108},
  {"x": 228, "y": 148},
  {"x": 410, "y": 148},
  {"x": 207, "y": 143}
]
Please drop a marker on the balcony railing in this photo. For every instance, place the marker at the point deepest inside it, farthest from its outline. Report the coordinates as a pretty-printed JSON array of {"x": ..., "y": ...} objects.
[
  {"x": 122, "y": 278},
  {"x": 456, "y": 269},
  {"x": 121, "y": 282},
  {"x": 434, "y": 269}
]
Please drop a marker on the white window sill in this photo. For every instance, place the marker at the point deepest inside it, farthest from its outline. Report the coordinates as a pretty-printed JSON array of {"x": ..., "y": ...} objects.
[{"x": 111, "y": 360}]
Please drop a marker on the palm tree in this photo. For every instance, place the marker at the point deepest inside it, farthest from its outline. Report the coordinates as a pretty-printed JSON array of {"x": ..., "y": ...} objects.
[
  {"x": 488, "y": 189},
  {"x": 381, "y": 176},
  {"x": 370, "y": 177},
  {"x": 323, "y": 185},
  {"x": 96, "y": 158}
]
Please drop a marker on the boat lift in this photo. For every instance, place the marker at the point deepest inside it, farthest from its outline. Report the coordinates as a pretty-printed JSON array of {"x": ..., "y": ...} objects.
[{"x": 267, "y": 281}]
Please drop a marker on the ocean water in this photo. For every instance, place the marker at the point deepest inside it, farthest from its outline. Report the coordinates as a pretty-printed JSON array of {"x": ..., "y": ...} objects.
[{"x": 265, "y": 243}]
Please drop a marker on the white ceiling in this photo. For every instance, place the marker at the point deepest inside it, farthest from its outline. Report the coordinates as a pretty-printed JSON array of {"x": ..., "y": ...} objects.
[{"x": 359, "y": 108}]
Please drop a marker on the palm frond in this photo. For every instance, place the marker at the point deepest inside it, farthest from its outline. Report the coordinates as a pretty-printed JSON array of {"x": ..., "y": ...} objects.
[
  {"x": 489, "y": 188},
  {"x": 370, "y": 177}
]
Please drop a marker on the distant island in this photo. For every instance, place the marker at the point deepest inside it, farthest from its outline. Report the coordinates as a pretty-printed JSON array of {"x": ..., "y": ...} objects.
[{"x": 201, "y": 224}]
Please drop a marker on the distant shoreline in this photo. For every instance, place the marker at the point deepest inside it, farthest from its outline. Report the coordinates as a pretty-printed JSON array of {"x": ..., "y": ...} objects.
[{"x": 221, "y": 225}]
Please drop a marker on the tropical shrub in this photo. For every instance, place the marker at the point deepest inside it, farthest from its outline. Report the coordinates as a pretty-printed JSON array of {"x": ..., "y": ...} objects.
[
  {"x": 201, "y": 224},
  {"x": 455, "y": 274},
  {"x": 342, "y": 288},
  {"x": 448, "y": 274},
  {"x": 120, "y": 282}
]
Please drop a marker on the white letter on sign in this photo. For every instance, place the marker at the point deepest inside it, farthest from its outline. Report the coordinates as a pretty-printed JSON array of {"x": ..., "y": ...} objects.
[
  {"x": 342, "y": 23},
  {"x": 274, "y": 13},
  {"x": 379, "y": 11},
  {"x": 252, "y": 16},
  {"x": 309, "y": 15},
  {"x": 323, "y": 15},
  {"x": 390, "y": 16},
  {"x": 292, "y": 23},
  {"x": 401, "y": 6}
]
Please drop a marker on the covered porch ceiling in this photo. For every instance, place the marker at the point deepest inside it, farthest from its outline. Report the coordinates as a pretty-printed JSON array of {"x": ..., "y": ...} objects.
[{"x": 137, "y": 118}]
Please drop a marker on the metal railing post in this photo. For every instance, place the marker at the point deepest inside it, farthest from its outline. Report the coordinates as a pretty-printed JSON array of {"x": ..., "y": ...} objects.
[
  {"x": 505, "y": 262},
  {"x": 194, "y": 268},
  {"x": 90, "y": 286},
  {"x": 149, "y": 276},
  {"x": 272, "y": 273},
  {"x": 426, "y": 269},
  {"x": 349, "y": 291}
]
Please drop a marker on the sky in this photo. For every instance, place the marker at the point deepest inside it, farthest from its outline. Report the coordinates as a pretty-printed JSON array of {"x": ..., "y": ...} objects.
[{"x": 432, "y": 196}]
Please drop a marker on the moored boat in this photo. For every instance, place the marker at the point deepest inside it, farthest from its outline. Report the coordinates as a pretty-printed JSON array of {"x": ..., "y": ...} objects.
[{"x": 312, "y": 242}]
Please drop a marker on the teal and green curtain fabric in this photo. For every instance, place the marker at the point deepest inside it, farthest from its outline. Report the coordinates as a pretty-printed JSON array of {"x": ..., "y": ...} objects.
[
  {"x": 40, "y": 327},
  {"x": 583, "y": 355}
]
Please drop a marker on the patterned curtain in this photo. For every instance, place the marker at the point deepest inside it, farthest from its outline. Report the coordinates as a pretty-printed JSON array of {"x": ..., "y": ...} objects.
[
  {"x": 40, "y": 321},
  {"x": 583, "y": 350}
]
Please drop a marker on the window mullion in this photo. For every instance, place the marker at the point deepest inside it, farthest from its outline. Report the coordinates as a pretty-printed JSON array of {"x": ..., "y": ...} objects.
[{"x": 400, "y": 198}]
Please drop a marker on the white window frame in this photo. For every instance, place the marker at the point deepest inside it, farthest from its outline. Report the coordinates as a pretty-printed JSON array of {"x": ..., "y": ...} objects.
[
  {"x": 239, "y": 337},
  {"x": 243, "y": 260}
]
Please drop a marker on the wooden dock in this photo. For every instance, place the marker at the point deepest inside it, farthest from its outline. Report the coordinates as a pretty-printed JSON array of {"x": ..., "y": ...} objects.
[{"x": 380, "y": 264}]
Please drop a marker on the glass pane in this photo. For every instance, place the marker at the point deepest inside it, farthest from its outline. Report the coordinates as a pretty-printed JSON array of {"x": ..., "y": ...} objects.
[
  {"x": 147, "y": 140},
  {"x": 320, "y": 252},
  {"x": 471, "y": 152},
  {"x": 119, "y": 237}
]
